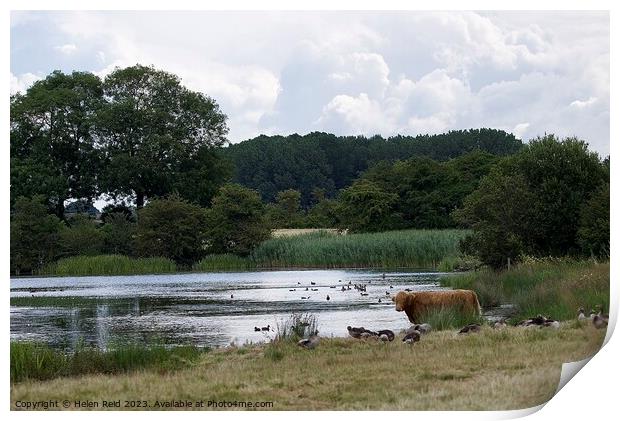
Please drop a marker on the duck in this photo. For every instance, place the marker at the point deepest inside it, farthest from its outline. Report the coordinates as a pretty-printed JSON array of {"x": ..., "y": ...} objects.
[
  {"x": 309, "y": 343},
  {"x": 327, "y": 298},
  {"x": 291, "y": 290},
  {"x": 471, "y": 328},
  {"x": 305, "y": 298},
  {"x": 312, "y": 283},
  {"x": 266, "y": 328},
  {"x": 363, "y": 294},
  {"x": 256, "y": 329},
  {"x": 387, "y": 294},
  {"x": 387, "y": 333},
  {"x": 333, "y": 286},
  {"x": 379, "y": 300},
  {"x": 314, "y": 289},
  {"x": 582, "y": 314},
  {"x": 306, "y": 288},
  {"x": 391, "y": 286},
  {"x": 412, "y": 337},
  {"x": 343, "y": 289},
  {"x": 232, "y": 296}
]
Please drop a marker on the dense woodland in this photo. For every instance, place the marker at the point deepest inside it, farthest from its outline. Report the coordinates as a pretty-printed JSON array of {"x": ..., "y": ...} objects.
[{"x": 158, "y": 151}]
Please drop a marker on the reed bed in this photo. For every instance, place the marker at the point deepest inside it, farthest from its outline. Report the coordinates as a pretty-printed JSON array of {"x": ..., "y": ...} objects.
[
  {"x": 408, "y": 248},
  {"x": 35, "y": 361},
  {"x": 554, "y": 287},
  {"x": 109, "y": 264}
]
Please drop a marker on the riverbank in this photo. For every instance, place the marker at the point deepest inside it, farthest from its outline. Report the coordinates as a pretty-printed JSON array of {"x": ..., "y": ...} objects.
[
  {"x": 444, "y": 371},
  {"x": 422, "y": 249},
  {"x": 556, "y": 288}
]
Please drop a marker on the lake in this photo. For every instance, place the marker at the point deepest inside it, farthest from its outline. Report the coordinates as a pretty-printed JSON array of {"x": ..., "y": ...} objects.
[{"x": 204, "y": 309}]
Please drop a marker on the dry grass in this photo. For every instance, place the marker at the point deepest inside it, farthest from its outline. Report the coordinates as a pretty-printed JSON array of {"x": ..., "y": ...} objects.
[
  {"x": 293, "y": 232},
  {"x": 509, "y": 369}
]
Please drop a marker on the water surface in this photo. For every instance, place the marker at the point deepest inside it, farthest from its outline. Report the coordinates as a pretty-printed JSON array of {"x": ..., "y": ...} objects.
[{"x": 204, "y": 309}]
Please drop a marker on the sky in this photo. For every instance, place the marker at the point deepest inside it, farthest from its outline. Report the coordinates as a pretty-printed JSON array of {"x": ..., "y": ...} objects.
[{"x": 350, "y": 73}]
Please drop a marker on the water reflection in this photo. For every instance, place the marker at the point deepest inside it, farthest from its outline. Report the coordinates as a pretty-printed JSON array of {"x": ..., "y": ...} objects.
[{"x": 203, "y": 309}]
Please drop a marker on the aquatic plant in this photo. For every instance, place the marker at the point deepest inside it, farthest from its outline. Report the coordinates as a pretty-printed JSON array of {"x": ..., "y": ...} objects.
[{"x": 108, "y": 264}]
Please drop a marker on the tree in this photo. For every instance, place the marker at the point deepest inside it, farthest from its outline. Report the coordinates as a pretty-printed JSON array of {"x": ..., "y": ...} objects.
[
  {"x": 172, "y": 228},
  {"x": 499, "y": 214},
  {"x": 286, "y": 212},
  {"x": 34, "y": 235},
  {"x": 236, "y": 221},
  {"x": 531, "y": 202},
  {"x": 118, "y": 233},
  {"x": 81, "y": 238},
  {"x": 365, "y": 206},
  {"x": 53, "y": 150},
  {"x": 593, "y": 233},
  {"x": 151, "y": 126}
]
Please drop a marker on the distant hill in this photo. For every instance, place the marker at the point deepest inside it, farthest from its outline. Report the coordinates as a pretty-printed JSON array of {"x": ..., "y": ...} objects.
[{"x": 271, "y": 164}]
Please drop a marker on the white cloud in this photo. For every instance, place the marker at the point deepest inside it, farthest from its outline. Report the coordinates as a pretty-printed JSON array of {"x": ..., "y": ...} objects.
[
  {"x": 66, "y": 49},
  {"x": 583, "y": 104},
  {"x": 368, "y": 72},
  {"x": 22, "y": 82}
]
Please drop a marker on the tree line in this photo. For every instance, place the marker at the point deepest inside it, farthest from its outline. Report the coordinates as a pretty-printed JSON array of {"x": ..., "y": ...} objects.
[{"x": 139, "y": 135}]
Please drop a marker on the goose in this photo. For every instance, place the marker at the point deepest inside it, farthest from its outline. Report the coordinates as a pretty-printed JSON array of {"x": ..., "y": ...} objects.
[
  {"x": 333, "y": 286},
  {"x": 412, "y": 337},
  {"x": 343, "y": 289},
  {"x": 391, "y": 286},
  {"x": 387, "y": 333},
  {"x": 379, "y": 300},
  {"x": 305, "y": 298},
  {"x": 383, "y": 276},
  {"x": 231, "y": 296},
  {"x": 291, "y": 290},
  {"x": 582, "y": 314},
  {"x": 471, "y": 328},
  {"x": 312, "y": 283},
  {"x": 314, "y": 289},
  {"x": 499, "y": 324},
  {"x": 423, "y": 328},
  {"x": 256, "y": 329},
  {"x": 309, "y": 343},
  {"x": 327, "y": 298},
  {"x": 355, "y": 332},
  {"x": 363, "y": 294},
  {"x": 306, "y": 288},
  {"x": 551, "y": 323},
  {"x": 387, "y": 294},
  {"x": 266, "y": 328}
]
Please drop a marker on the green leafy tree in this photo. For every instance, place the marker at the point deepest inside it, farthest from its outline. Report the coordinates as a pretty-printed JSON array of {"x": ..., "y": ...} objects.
[
  {"x": 53, "y": 150},
  {"x": 532, "y": 202},
  {"x": 286, "y": 212},
  {"x": 365, "y": 206},
  {"x": 172, "y": 228},
  {"x": 500, "y": 215},
  {"x": 593, "y": 233},
  {"x": 237, "y": 222},
  {"x": 34, "y": 235},
  {"x": 81, "y": 238},
  {"x": 118, "y": 234},
  {"x": 151, "y": 126}
]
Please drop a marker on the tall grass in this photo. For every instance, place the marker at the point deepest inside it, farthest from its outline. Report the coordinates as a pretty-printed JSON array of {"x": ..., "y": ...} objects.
[
  {"x": 409, "y": 248},
  {"x": 297, "y": 326},
  {"x": 223, "y": 262},
  {"x": 449, "y": 318},
  {"x": 35, "y": 361},
  {"x": 552, "y": 287},
  {"x": 108, "y": 264}
]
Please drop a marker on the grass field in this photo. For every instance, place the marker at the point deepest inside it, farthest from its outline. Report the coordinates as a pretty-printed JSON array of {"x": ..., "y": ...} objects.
[
  {"x": 552, "y": 287},
  {"x": 111, "y": 264},
  {"x": 508, "y": 369}
]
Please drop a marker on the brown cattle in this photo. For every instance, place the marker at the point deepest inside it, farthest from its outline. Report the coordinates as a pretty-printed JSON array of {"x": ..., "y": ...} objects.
[{"x": 415, "y": 304}]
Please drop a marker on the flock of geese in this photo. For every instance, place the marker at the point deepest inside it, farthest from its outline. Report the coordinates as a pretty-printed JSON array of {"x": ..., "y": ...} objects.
[
  {"x": 361, "y": 288},
  {"x": 416, "y": 331}
]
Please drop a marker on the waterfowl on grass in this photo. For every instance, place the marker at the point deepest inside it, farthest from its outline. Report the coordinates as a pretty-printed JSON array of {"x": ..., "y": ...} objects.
[
  {"x": 471, "y": 328},
  {"x": 309, "y": 343},
  {"x": 387, "y": 333},
  {"x": 499, "y": 324},
  {"x": 412, "y": 337},
  {"x": 355, "y": 332},
  {"x": 582, "y": 314}
]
